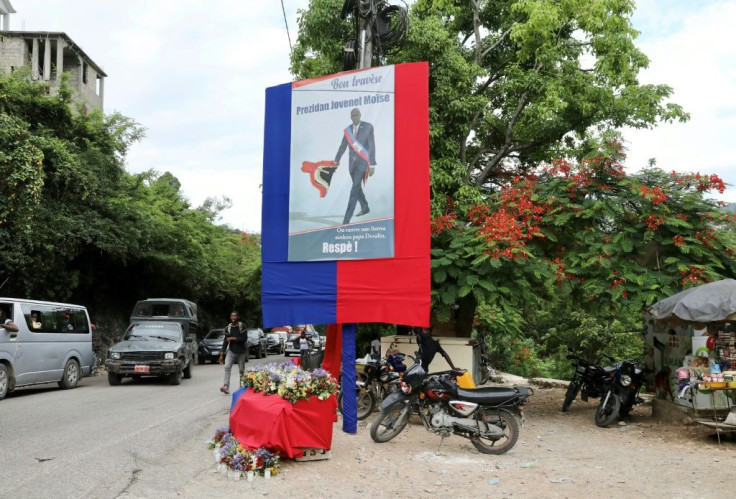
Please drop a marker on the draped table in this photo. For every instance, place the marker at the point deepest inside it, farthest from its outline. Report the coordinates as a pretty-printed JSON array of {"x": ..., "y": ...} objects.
[{"x": 259, "y": 420}]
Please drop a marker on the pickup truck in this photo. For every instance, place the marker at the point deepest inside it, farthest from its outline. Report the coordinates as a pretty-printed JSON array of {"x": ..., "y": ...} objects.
[{"x": 152, "y": 348}]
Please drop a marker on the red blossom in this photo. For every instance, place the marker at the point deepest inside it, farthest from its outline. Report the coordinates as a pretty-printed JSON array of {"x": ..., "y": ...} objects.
[
  {"x": 654, "y": 221},
  {"x": 443, "y": 222},
  {"x": 678, "y": 240}
]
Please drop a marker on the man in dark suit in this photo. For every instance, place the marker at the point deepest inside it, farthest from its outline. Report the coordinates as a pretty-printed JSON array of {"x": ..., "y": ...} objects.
[{"x": 362, "y": 156}]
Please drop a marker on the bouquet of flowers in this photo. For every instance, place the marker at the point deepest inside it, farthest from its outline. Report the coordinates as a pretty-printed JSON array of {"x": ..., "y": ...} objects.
[
  {"x": 221, "y": 433},
  {"x": 240, "y": 459},
  {"x": 290, "y": 382}
]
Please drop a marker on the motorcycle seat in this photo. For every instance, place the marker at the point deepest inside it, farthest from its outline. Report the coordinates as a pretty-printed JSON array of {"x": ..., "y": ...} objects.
[{"x": 489, "y": 395}]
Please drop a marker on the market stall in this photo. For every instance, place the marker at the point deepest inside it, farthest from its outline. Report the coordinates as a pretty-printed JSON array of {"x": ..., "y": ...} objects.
[{"x": 691, "y": 359}]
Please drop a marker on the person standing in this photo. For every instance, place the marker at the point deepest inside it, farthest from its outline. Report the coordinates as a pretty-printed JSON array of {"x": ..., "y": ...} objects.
[
  {"x": 429, "y": 347},
  {"x": 305, "y": 344},
  {"x": 376, "y": 348},
  {"x": 362, "y": 157},
  {"x": 234, "y": 349}
]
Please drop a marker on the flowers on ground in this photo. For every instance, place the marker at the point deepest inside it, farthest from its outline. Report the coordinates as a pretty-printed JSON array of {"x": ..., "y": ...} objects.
[
  {"x": 238, "y": 458},
  {"x": 290, "y": 381}
]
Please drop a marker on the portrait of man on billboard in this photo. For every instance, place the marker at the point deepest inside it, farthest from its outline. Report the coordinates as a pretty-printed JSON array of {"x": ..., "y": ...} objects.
[{"x": 362, "y": 156}]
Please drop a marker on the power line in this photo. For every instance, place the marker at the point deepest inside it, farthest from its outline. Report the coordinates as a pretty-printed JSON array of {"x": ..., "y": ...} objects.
[{"x": 286, "y": 24}]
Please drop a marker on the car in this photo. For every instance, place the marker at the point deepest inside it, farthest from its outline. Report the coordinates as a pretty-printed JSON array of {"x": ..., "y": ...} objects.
[
  {"x": 275, "y": 343},
  {"x": 167, "y": 309},
  {"x": 256, "y": 343},
  {"x": 210, "y": 346},
  {"x": 292, "y": 343},
  {"x": 152, "y": 348}
]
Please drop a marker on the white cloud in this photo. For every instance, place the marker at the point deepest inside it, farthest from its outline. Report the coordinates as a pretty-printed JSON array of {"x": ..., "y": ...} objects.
[
  {"x": 194, "y": 75},
  {"x": 690, "y": 47}
]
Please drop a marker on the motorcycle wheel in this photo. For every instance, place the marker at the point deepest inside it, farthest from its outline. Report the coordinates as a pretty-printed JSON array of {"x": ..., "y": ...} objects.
[
  {"x": 572, "y": 392},
  {"x": 366, "y": 403},
  {"x": 498, "y": 445},
  {"x": 607, "y": 414},
  {"x": 390, "y": 422}
]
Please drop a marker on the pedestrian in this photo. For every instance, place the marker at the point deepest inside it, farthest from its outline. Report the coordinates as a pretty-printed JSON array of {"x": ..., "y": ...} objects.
[
  {"x": 376, "y": 348},
  {"x": 234, "y": 349},
  {"x": 304, "y": 344},
  {"x": 429, "y": 347}
]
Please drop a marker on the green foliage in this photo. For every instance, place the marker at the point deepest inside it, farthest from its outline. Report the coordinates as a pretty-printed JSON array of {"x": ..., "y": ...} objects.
[{"x": 77, "y": 227}]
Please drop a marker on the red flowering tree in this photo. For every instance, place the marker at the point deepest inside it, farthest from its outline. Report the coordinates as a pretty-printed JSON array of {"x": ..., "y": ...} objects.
[{"x": 585, "y": 232}]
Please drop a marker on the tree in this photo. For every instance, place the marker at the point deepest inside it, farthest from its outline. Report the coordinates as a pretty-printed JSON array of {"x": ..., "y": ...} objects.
[
  {"x": 76, "y": 226},
  {"x": 513, "y": 84},
  {"x": 584, "y": 236}
]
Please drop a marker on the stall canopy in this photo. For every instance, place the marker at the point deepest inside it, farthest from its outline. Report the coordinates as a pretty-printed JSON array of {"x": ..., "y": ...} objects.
[{"x": 712, "y": 302}]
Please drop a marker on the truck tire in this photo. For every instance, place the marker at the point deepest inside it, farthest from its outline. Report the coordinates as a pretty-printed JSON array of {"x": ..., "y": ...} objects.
[
  {"x": 175, "y": 377},
  {"x": 114, "y": 379}
]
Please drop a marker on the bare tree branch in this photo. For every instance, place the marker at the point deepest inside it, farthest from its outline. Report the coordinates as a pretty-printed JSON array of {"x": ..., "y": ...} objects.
[{"x": 497, "y": 43}]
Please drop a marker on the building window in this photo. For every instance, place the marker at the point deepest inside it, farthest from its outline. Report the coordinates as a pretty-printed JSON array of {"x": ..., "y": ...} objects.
[{"x": 84, "y": 72}]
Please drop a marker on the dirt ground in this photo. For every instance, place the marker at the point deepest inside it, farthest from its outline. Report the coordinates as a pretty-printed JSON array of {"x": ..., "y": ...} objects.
[{"x": 557, "y": 455}]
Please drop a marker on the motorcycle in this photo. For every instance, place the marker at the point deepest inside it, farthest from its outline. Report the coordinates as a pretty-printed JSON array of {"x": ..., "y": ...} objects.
[
  {"x": 589, "y": 379},
  {"x": 620, "y": 394},
  {"x": 378, "y": 380},
  {"x": 485, "y": 416}
]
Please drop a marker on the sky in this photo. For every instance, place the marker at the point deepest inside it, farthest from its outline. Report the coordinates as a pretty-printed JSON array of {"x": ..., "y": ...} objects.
[{"x": 194, "y": 75}]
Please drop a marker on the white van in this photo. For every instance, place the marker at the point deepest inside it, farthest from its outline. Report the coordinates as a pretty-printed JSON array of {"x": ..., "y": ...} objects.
[{"x": 53, "y": 344}]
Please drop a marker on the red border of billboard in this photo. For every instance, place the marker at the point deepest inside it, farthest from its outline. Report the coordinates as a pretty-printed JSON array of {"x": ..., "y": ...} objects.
[{"x": 398, "y": 290}]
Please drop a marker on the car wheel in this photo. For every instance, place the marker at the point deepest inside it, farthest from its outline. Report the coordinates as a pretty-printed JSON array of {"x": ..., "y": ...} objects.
[
  {"x": 4, "y": 381},
  {"x": 175, "y": 377},
  {"x": 201, "y": 360},
  {"x": 114, "y": 379},
  {"x": 70, "y": 378}
]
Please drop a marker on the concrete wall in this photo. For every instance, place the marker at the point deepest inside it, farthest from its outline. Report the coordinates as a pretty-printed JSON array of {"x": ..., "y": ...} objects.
[{"x": 13, "y": 53}]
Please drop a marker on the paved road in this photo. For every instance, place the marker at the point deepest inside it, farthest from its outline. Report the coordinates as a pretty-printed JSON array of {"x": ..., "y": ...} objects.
[{"x": 103, "y": 441}]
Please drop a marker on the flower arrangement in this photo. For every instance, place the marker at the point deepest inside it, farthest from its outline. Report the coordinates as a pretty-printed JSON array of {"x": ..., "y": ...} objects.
[
  {"x": 290, "y": 381},
  {"x": 231, "y": 454}
]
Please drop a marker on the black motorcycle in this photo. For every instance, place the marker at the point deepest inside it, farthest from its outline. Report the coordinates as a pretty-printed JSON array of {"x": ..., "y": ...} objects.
[
  {"x": 485, "y": 416},
  {"x": 621, "y": 393},
  {"x": 589, "y": 379},
  {"x": 378, "y": 379}
]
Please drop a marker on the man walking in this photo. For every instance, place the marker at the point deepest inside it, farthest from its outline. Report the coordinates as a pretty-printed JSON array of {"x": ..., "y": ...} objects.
[
  {"x": 362, "y": 156},
  {"x": 236, "y": 345}
]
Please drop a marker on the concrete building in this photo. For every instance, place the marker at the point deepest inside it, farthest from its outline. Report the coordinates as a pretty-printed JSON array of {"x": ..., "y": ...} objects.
[{"x": 48, "y": 55}]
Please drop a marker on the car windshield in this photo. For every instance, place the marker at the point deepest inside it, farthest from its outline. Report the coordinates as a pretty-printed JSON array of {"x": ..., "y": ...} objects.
[
  {"x": 215, "y": 334},
  {"x": 293, "y": 337},
  {"x": 154, "y": 331},
  {"x": 253, "y": 334},
  {"x": 272, "y": 336}
]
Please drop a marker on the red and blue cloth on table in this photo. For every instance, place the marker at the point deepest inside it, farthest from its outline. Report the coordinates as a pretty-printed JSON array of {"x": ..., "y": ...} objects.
[
  {"x": 269, "y": 421},
  {"x": 392, "y": 290}
]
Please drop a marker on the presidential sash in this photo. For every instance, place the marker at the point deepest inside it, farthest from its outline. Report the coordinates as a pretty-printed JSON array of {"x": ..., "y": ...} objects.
[{"x": 360, "y": 150}]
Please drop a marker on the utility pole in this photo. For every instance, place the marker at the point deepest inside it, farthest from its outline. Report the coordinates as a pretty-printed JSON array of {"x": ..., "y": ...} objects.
[{"x": 366, "y": 35}]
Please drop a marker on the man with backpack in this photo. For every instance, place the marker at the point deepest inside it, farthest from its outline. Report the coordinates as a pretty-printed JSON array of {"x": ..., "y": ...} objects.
[{"x": 236, "y": 346}]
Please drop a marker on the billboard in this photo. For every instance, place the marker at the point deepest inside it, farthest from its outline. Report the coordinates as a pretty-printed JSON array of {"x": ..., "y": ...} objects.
[
  {"x": 341, "y": 186},
  {"x": 305, "y": 205}
]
